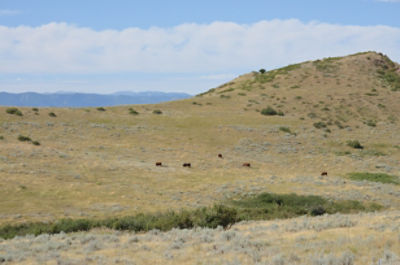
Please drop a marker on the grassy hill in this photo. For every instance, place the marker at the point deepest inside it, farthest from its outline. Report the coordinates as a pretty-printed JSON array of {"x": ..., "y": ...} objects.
[{"x": 100, "y": 162}]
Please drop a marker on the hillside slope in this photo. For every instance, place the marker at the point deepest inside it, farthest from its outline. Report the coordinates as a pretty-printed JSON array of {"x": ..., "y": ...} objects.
[{"x": 101, "y": 162}]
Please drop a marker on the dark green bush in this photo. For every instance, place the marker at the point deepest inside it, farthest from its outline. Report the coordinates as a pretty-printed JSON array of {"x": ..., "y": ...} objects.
[
  {"x": 355, "y": 144},
  {"x": 319, "y": 125},
  {"x": 36, "y": 143},
  {"x": 133, "y": 112},
  {"x": 14, "y": 111},
  {"x": 262, "y": 70},
  {"x": 35, "y": 109},
  {"x": 269, "y": 111},
  {"x": 319, "y": 210},
  {"x": 371, "y": 123},
  {"x": 24, "y": 138},
  {"x": 1, "y": 137},
  {"x": 101, "y": 109},
  {"x": 52, "y": 114},
  {"x": 157, "y": 111}
]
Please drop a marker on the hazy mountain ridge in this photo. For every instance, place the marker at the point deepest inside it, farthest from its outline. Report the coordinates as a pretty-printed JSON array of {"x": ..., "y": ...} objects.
[{"x": 64, "y": 99}]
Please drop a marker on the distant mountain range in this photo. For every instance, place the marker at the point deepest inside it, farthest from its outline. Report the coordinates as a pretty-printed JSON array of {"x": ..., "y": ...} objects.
[{"x": 68, "y": 99}]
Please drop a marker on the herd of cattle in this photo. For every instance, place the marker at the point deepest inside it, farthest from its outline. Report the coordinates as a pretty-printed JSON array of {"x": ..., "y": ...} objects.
[{"x": 159, "y": 164}]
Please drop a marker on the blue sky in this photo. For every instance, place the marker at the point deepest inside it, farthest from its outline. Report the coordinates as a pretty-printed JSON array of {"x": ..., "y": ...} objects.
[{"x": 188, "y": 46}]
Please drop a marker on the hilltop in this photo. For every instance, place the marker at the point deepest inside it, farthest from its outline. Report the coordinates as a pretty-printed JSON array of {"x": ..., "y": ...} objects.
[{"x": 290, "y": 124}]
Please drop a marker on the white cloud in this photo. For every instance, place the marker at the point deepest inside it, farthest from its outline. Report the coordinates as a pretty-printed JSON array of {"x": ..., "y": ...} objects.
[
  {"x": 219, "y": 47},
  {"x": 9, "y": 12}
]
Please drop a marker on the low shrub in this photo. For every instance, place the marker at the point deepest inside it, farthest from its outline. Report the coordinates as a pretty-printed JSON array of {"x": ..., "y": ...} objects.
[
  {"x": 101, "y": 109},
  {"x": 375, "y": 177},
  {"x": 14, "y": 111},
  {"x": 262, "y": 71},
  {"x": 355, "y": 144},
  {"x": 286, "y": 130},
  {"x": 52, "y": 114},
  {"x": 371, "y": 123},
  {"x": 24, "y": 138},
  {"x": 269, "y": 111},
  {"x": 133, "y": 112},
  {"x": 1, "y": 137},
  {"x": 35, "y": 109},
  {"x": 36, "y": 143},
  {"x": 319, "y": 125},
  {"x": 157, "y": 111}
]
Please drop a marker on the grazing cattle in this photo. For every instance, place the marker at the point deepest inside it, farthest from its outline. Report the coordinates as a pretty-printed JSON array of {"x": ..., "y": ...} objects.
[
  {"x": 324, "y": 173},
  {"x": 187, "y": 165},
  {"x": 246, "y": 165},
  {"x": 158, "y": 164},
  {"x": 220, "y": 155}
]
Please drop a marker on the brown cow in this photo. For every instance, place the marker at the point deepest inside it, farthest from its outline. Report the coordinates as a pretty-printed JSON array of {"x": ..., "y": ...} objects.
[
  {"x": 220, "y": 155},
  {"x": 187, "y": 165},
  {"x": 246, "y": 165},
  {"x": 158, "y": 164},
  {"x": 324, "y": 173}
]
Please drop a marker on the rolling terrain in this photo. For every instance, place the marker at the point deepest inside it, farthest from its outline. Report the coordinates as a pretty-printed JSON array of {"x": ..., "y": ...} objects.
[{"x": 290, "y": 124}]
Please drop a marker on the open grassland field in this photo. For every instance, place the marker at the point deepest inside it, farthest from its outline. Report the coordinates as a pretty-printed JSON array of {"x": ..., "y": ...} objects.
[{"x": 100, "y": 163}]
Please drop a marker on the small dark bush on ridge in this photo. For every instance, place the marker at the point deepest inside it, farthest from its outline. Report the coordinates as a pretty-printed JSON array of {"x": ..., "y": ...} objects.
[
  {"x": 133, "y": 112},
  {"x": 14, "y": 111},
  {"x": 262, "y": 71},
  {"x": 52, "y": 114},
  {"x": 36, "y": 143},
  {"x": 101, "y": 109},
  {"x": 157, "y": 111},
  {"x": 35, "y": 109},
  {"x": 1, "y": 137}
]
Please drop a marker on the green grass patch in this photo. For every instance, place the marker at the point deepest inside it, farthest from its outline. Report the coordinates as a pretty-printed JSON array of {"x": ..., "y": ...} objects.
[
  {"x": 327, "y": 65},
  {"x": 272, "y": 206},
  {"x": 375, "y": 177},
  {"x": 264, "y": 206},
  {"x": 226, "y": 90}
]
